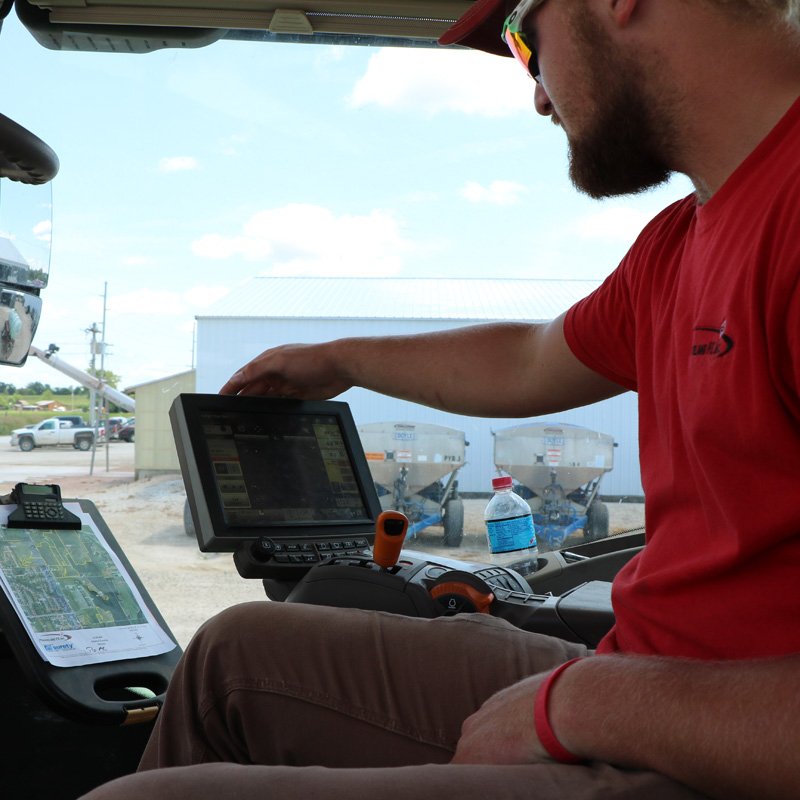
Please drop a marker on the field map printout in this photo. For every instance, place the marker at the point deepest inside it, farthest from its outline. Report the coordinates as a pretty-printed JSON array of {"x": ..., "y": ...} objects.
[{"x": 74, "y": 596}]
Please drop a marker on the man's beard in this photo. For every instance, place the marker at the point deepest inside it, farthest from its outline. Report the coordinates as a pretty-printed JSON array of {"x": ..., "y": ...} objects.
[{"x": 622, "y": 148}]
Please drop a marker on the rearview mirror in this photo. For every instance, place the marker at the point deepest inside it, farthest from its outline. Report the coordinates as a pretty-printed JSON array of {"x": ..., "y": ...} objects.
[{"x": 19, "y": 317}]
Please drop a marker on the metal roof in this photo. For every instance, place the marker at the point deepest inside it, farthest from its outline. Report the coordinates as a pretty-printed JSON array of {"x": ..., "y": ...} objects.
[{"x": 400, "y": 298}]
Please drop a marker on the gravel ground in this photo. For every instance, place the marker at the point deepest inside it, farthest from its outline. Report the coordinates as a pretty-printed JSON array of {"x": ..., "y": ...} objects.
[{"x": 146, "y": 518}]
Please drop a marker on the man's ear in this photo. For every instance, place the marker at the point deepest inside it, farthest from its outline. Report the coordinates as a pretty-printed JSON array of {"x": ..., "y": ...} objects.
[{"x": 622, "y": 10}]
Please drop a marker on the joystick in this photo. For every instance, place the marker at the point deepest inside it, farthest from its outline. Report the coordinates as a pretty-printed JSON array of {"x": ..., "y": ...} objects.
[{"x": 390, "y": 533}]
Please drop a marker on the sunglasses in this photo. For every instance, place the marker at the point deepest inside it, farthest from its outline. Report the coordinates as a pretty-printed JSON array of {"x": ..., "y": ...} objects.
[{"x": 518, "y": 41}]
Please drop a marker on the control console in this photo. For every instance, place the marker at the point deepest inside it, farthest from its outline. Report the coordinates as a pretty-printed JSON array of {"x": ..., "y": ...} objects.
[
  {"x": 285, "y": 486},
  {"x": 431, "y": 587}
]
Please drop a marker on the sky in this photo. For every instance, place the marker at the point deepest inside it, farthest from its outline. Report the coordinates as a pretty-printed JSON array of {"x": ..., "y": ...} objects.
[{"x": 185, "y": 173}]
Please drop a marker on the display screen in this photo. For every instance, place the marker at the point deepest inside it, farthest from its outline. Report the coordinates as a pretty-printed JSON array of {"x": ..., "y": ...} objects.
[
  {"x": 32, "y": 488},
  {"x": 285, "y": 469},
  {"x": 281, "y": 468}
]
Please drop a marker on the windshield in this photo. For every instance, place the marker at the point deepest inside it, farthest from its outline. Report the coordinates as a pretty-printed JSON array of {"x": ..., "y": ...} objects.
[{"x": 230, "y": 198}]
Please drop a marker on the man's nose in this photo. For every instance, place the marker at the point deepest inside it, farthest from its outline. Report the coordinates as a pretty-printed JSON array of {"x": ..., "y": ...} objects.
[{"x": 542, "y": 100}]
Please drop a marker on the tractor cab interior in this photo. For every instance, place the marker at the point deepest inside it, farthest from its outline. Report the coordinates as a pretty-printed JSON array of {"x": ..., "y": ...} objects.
[{"x": 284, "y": 486}]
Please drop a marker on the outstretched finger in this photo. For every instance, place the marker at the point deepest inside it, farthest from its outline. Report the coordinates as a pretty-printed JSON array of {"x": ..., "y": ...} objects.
[{"x": 233, "y": 385}]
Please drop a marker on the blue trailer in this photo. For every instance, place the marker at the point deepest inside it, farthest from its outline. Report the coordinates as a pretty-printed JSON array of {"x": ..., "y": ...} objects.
[{"x": 557, "y": 468}]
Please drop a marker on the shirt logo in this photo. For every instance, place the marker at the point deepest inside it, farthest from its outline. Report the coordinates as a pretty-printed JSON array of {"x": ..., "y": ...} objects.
[{"x": 711, "y": 342}]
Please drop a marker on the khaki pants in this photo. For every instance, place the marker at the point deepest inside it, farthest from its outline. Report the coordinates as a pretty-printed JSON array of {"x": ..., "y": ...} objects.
[{"x": 274, "y": 700}]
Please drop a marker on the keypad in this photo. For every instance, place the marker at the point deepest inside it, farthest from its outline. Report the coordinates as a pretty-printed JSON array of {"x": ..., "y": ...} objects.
[
  {"x": 41, "y": 510},
  {"x": 311, "y": 552}
]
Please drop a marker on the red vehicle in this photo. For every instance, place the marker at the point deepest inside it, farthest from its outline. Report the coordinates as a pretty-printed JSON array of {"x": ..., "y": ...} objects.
[{"x": 126, "y": 432}]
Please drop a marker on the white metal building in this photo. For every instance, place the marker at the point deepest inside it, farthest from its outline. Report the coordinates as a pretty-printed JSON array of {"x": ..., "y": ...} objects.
[{"x": 264, "y": 312}]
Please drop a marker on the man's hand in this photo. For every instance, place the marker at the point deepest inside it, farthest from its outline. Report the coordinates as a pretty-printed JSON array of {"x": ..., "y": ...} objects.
[
  {"x": 309, "y": 372},
  {"x": 727, "y": 729},
  {"x": 502, "y": 730}
]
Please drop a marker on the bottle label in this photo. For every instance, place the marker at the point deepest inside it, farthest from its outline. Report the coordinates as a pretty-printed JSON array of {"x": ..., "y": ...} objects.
[{"x": 514, "y": 533}]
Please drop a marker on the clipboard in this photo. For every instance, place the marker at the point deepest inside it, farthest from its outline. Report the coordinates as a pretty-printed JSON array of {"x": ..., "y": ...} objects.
[{"x": 119, "y": 692}]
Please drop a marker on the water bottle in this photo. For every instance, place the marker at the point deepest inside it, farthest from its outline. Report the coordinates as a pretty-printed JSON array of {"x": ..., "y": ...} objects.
[{"x": 509, "y": 527}]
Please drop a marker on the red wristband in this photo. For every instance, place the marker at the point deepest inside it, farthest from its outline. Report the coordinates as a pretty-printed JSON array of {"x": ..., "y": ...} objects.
[{"x": 542, "y": 723}]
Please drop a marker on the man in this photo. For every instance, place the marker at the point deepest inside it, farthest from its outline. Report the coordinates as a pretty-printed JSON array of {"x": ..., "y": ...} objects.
[{"x": 696, "y": 685}]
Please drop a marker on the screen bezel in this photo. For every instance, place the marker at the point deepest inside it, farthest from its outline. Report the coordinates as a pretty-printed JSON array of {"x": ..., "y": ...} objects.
[{"x": 214, "y": 533}]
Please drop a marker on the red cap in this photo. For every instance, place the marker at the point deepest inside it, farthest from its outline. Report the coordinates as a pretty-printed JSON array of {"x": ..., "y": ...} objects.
[
  {"x": 502, "y": 483},
  {"x": 481, "y": 28}
]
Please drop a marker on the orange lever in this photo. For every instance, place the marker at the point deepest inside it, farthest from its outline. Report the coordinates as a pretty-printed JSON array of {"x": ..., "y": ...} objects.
[{"x": 390, "y": 533}]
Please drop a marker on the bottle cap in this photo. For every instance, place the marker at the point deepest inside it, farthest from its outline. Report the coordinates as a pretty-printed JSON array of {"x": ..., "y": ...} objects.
[{"x": 502, "y": 483}]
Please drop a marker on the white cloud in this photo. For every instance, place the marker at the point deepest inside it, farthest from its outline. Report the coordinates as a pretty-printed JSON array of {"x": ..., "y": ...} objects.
[
  {"x": 501, "y": 193},
  {"x": 178, "y": 164},
  {"x": 42, "y": 230},
  {"x": 429, "y": 81},
  {"x": 310, "y": 240},
  {"x": 619, "y": 223}
]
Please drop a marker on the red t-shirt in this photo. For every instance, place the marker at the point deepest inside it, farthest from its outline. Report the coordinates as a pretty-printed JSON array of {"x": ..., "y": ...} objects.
[{"x": 702, "y": 318}]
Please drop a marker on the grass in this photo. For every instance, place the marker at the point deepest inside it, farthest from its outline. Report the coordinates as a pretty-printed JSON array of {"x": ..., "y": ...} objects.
[{"x": 11, "y": 419}]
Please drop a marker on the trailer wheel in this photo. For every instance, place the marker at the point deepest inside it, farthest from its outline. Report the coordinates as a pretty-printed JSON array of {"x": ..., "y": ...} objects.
[
  {"x": 597, "y": 524},
  {"x": 188, "y": 523},
  {"x": 26, "y": 444},
  {"x": 84, "y": 443},
  {"x": 453, "y": 523}
]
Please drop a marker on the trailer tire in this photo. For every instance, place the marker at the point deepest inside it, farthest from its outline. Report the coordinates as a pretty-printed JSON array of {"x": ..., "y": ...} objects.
[
  {"x": 597, "y": 523},
  {"x": 26, "y": 444},
  {"x": 84, "y": 443},
  {"x": 453, "y": 523},
  {"x": 188, "y": 522}
]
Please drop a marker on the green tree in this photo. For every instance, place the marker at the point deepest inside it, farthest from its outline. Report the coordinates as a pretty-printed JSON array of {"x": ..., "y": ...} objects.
[{"x": 109, "y": 377}]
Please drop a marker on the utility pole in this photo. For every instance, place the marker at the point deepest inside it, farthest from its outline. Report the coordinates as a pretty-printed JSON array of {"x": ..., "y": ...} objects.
[
  {"x": 93, "y": 394},
  {"x": 103, "y": 368},
  {"x": 102, "y": 332},
  {"x": 94, "y": 330}
]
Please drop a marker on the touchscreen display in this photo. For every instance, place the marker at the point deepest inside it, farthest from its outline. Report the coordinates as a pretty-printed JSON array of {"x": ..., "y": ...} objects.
[{"x": 281, "y": 469}]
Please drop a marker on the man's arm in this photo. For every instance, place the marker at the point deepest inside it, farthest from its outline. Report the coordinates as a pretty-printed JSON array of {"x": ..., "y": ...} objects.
[
  {"x": 493, "y": 370},
  {"x": 728, "y": 729}
]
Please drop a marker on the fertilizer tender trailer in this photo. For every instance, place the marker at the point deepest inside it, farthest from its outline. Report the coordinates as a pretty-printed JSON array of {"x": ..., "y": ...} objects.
[
  {"x": 558, "y": 469},
  {"x": 409, "y": 462}
]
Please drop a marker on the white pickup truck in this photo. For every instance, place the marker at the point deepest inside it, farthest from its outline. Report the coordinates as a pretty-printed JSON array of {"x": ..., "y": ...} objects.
[{"x": 52, "y": 432}]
